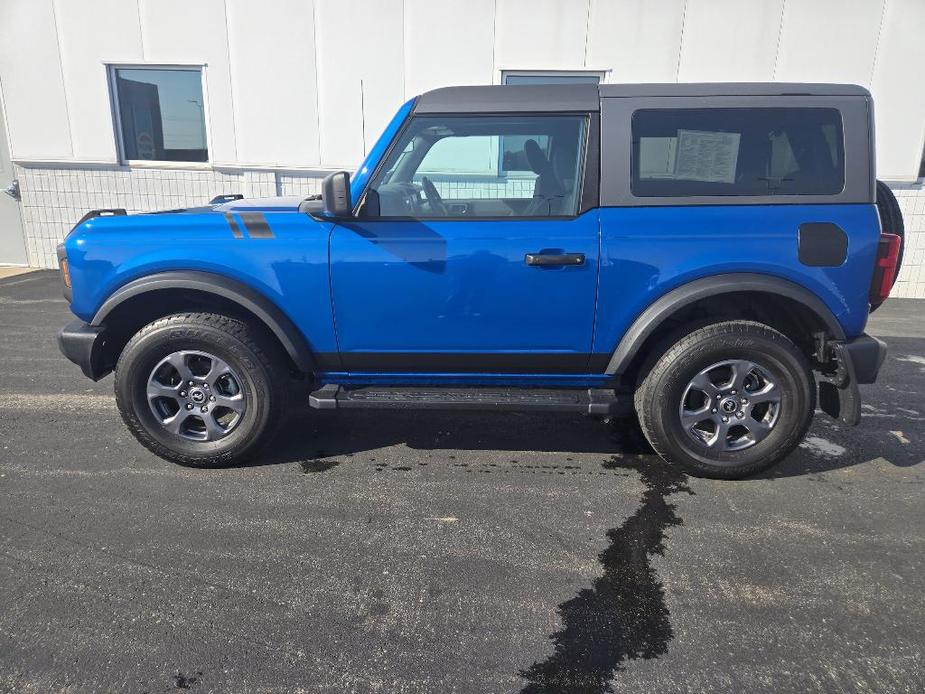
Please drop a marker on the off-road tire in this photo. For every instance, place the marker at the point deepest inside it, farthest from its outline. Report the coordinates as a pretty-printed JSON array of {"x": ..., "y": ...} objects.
[
  {"x": 891, "y": 219},
  {"x": 891, "y": 222},
  {"x": 661, "y": 390},
  {"x": 245, "y": 348}
]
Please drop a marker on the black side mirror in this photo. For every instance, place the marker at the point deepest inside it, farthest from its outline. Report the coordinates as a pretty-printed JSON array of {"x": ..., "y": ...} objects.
[{"x": 335, "y": 195}]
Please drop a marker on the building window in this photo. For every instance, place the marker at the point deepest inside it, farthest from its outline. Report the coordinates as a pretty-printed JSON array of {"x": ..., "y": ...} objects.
[
  {"x": 160, "y": 114},
  {"x": 551, "y": 77}
]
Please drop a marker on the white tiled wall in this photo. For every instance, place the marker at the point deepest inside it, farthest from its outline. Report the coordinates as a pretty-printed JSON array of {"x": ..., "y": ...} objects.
[
  {"x": 486, "y": 190},
  {"x": 911, "y": 280},
  {"x": 54, "y": 199}
]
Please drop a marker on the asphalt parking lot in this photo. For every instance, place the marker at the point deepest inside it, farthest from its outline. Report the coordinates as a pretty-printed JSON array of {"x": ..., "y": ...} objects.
[{"x": 396, "y": 552}]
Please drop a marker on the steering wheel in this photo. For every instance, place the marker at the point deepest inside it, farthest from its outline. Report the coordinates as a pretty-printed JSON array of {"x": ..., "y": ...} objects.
[{"x": 433, "y": 197}]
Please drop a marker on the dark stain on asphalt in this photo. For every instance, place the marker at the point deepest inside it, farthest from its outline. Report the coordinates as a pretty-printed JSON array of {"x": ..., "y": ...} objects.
[
  {"x": 483, "y": 468},
  {"x": 378, "y": 609},
  {"x": 182, "y": 681},
  {"x": 318, "y": 465},
  {"x": 623, "y": 616}
]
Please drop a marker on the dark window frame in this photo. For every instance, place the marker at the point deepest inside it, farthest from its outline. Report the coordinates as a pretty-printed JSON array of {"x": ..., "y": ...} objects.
[{"x": 922, "y": 165}]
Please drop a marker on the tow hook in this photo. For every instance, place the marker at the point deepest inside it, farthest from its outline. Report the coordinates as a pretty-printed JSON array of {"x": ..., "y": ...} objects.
[{"x": 830, "y": 363}]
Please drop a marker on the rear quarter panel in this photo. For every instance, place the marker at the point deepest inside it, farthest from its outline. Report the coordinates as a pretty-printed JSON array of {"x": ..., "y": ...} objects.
[{"x": 648, "y": 251}]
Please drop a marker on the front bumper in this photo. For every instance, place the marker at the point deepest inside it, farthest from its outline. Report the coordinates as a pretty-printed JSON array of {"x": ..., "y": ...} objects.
[
  {"x": 85, "y": 345},
  {"x": 856, "y": 361}
]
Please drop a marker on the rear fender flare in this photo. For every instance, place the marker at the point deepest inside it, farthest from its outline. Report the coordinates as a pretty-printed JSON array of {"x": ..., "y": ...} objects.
[{"x": 668, "y": 304}]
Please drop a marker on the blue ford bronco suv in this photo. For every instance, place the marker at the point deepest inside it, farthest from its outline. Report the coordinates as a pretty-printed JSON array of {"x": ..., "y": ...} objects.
[{"x": 706, "y": 254}]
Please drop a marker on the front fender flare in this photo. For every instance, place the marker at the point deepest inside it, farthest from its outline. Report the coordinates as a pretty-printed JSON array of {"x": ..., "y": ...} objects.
[
  {"x": 668, "y": 304},
  {"x": 248, "y": 298}
]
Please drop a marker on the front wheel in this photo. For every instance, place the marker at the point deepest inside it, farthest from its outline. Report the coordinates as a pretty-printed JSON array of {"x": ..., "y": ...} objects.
[
  {"x": 727, "y": 400},
  {"x": 200, "y": 389}
]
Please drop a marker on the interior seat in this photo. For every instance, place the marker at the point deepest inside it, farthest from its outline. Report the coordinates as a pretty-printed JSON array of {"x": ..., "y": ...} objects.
[{"x": 548, "y": 191}]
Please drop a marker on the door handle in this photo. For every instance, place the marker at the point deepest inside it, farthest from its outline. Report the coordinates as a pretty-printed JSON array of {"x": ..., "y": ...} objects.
[{"x": 554, "y": 259}]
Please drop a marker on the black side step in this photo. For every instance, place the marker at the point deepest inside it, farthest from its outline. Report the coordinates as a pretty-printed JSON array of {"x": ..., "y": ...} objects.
[{"x": 593, "y": 401}]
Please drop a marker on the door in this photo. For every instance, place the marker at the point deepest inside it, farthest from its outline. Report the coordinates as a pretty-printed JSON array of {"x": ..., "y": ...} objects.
[
  {"x": 470, "y": 252},
  {"x": 12, "y": 245}
]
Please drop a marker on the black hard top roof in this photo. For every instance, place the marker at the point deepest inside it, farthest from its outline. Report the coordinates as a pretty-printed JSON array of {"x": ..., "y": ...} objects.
[
  {"x": 586, "y": 97},
  {"x": 518, "y": 98},
  {"x": 733, "y": 89}
]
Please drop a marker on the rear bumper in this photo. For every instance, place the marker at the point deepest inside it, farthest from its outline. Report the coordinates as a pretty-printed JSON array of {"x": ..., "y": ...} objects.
[
  {"x": 85, "y": 346},
  {"x": 867, "y": 354}
]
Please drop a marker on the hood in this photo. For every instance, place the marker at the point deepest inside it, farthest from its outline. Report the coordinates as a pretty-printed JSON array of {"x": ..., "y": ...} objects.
[{"x": 288, "y": 203}]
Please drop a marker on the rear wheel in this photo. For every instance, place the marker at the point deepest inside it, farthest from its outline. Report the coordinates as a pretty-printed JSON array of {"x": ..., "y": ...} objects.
[
  {"x": 200, "y": 389},
  {"x": 727, "y": 400}
]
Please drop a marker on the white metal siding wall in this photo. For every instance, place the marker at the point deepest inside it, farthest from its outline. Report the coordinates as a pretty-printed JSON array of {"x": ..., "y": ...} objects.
[
  {"x": 729, "y": 40},
  {"x": 435, "y": 29},
  {"x": 33, "y": 86},
  {"x": 296, "y": 87},
  {"x": 83, "y": 41},
  {"x": 283, "y": 77},
  {"x": 360, "y": 75},
  {"x": 639, "y": 40},
  {"x": 899, "y": 90},
  {"x": 276, "y": 118}
]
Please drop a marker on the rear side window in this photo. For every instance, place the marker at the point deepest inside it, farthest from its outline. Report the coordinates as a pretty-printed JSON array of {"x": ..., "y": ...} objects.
[{"x": 737, "y": 151}]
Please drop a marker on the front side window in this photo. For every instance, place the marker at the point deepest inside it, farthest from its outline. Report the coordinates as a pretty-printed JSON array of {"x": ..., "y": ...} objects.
[
  {"x": 464, "y": 166},
  {"x": 737, "y": 151},
  {"x": 161, "y": 114}
]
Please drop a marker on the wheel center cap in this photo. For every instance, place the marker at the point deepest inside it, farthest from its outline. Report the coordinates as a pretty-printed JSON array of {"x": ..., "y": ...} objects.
[
  {"x": 197, "y": 396},
  {"x": 729, "y": 405}
]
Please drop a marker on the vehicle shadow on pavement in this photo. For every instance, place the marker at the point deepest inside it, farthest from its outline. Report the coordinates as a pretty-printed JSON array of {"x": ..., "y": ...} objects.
[
  {"x": 315, "y": 439},
  {"x": 830, "y": 446},
  {"x": 313, "y": 435}
]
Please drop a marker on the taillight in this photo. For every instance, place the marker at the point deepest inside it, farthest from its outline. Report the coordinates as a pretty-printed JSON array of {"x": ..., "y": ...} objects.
[{"x": 885, "y": 269}]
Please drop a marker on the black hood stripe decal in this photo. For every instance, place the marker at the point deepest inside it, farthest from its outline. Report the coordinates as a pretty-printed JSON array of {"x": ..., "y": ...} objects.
[
  {"x": 256, "y": 225},
  {"x": 235, "y": 229}
]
